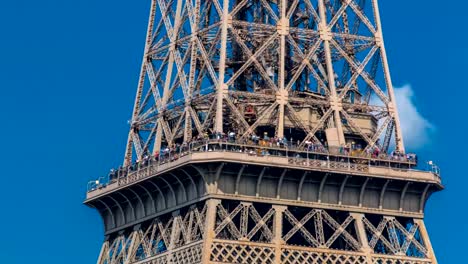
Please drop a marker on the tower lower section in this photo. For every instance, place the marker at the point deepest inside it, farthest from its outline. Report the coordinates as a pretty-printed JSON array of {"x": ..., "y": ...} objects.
[
  {"x": 228, "y": 231},
  {"x": 232, "y": 207}
]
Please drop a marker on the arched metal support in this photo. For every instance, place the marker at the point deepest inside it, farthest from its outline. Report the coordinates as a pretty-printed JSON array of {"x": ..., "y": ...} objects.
[
  {"x": 301, "y": 184},
  {"x": 423, "y": 198},
  {"x": 181, "y": 185},
  {"x": 114, "y": 222},
  {"x": 150, "y": 197},
  {"x": 402, "y": 196},
  {"x": 101, "y": 212},
  {"x": 322, "y": 185},
  {"x": 218, "y": 174},
  {"x": 382, "y": 194},
  {"x": 342, "y": 187},
  {"x": 280, "y": 184},
  {"x": 131, "y": 205},
  {"x": 174, "y": 195},
  {"x": 120, "y": 208},
  {"x": 363, "y": 189},
  {"x": 239, "y": 176},
  {"x": 140, "y": 200},
  {"x": 259, "y": 181},
  {"x": 191, "y": 181},
  {"x": 203, "y": 176},
  {"x": 166, "y": 205}
]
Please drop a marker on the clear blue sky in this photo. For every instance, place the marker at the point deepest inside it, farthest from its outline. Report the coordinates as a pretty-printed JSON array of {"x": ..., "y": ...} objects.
[{"x": 68, "y": 73}]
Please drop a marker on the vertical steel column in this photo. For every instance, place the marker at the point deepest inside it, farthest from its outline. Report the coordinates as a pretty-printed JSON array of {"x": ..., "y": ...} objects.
[
  {"x": 141, "y": 83},
  {"x": 188, "y": 122},
  {"x": 210, "y": 222},
  {"x": 361, "y": 233},
  {"x": 325, "y": 35},
  {"x": 278, "y": 231},
  {"x": 282, "y": 94},
  {"x": 170, "y": 66},
  {"x": 391, "y": 93},
  {"x": 222, "y": 88},
  {"x": 426, "y": 239},
  {"x": 193, "y": 65}
]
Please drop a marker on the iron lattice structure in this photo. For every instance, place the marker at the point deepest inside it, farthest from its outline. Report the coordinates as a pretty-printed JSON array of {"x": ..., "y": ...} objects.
[
  {"x": 261, "y": 133},
  {"x": 307, "y": 69}
]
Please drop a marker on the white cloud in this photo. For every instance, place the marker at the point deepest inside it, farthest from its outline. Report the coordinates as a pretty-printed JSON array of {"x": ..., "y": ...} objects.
[{"x": 416, "y": 129}]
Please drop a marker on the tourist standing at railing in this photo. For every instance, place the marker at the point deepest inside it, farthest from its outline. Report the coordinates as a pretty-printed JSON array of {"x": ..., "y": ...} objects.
[
  {"x": 232, "y": 136},
  {"x": 112, "y": 174},
  {"x": 255, "y": 139},
  {"x": 376, "y": 152},
  {"x": 201, "y": 143}
]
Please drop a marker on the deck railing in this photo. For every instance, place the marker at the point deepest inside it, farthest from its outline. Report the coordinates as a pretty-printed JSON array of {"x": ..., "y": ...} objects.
[{"x": 334, "y": 159}]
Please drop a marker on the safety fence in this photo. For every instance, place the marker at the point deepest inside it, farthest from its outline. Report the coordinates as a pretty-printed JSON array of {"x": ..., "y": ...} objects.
[{"x": 333, "y": 159}]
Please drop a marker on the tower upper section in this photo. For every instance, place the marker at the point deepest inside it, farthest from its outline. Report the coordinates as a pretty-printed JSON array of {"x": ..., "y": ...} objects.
[{"x": 306, "y": 72}]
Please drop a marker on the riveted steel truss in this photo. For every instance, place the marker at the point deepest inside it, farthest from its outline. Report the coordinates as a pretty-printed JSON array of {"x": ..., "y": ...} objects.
[
  {"x": 174, "y": 238},
  {"x": 253, "y": 66},
  {"x": 239, "y": 232}
]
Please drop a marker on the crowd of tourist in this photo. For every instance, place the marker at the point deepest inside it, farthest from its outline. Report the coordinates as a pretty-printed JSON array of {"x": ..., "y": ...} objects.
[{"x": 260, "y": 146}]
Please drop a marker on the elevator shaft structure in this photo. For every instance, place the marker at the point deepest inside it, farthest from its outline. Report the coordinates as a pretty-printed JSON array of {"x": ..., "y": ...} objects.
[{"x": 265, "y": 131}]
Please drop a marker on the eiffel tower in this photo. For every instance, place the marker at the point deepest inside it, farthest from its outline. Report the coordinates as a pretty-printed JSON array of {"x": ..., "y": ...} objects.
[{"x": 265, "y": 132}]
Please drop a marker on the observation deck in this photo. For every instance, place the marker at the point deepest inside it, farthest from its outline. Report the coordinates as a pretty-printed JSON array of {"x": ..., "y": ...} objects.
[{"x": 333, "y": 178}]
